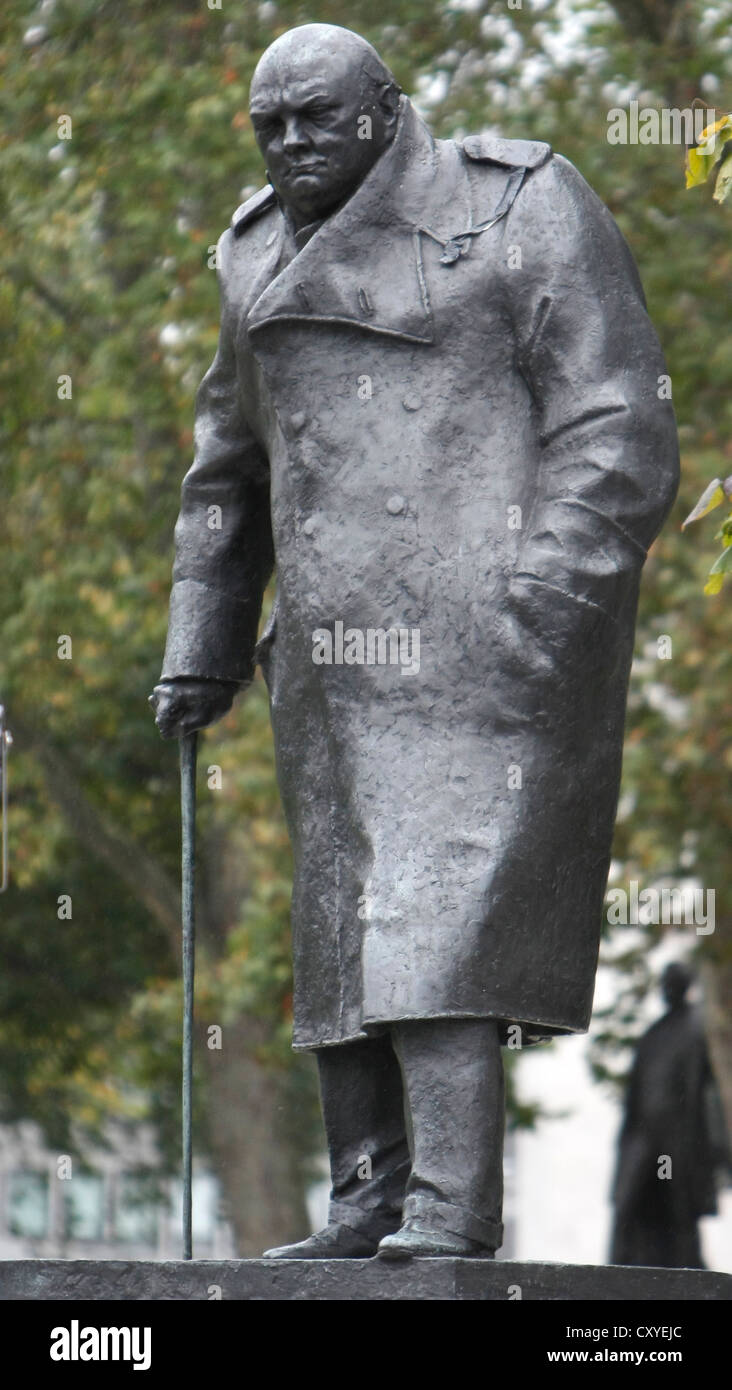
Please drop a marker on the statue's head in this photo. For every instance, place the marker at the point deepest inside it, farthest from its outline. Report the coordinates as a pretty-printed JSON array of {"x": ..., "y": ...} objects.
[
  {"x": 324, "y": 107},
  {"x": 676, "y": 980}
]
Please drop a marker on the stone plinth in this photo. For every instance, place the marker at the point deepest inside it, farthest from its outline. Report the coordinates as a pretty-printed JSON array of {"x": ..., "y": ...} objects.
[{"x": 351, "y": 1280}]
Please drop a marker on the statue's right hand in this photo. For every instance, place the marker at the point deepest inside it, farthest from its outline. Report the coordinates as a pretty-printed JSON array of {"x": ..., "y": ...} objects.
[{"x": 181, "y": 706}]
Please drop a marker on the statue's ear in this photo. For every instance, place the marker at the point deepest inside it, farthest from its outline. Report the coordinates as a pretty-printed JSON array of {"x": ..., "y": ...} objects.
[{"x": 389, "y": 101}]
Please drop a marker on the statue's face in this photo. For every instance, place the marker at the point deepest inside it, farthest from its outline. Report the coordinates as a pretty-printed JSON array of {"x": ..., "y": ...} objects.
[{"x": 305, "y": 109}]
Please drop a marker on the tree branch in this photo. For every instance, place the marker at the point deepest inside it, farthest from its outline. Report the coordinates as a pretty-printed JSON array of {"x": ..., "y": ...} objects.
[{"x": 102, "y": 836}]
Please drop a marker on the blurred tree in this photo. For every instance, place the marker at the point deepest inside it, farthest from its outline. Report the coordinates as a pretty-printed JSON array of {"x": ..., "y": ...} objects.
[
  {"x": 710, "y": 159},
  {"x": 124, "y": 146}
]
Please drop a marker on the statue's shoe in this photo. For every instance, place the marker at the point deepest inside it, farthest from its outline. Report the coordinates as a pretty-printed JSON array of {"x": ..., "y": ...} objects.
[
  {"x": 417, "y": 1238},
  {"x": 334, "y": 1242}
]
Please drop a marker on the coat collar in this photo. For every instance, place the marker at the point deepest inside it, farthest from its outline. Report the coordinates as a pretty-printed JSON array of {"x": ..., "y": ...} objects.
[{"x": 363, "y": 265}]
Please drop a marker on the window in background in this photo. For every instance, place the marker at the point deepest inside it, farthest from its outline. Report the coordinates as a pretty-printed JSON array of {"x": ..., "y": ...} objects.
[
  {"x": 84, "y": 1207},
  {"x": 27, "y": 1211},
  {"x": 136, "y": 1213}
]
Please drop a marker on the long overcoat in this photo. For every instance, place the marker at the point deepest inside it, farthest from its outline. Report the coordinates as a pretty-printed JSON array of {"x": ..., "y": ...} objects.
[{"x": 442, "y": 415}]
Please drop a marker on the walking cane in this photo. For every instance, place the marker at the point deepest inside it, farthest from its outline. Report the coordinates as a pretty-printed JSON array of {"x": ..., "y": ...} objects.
[
  {"x": 188, "y": 751},
  {"x": 6, "y": 740}
]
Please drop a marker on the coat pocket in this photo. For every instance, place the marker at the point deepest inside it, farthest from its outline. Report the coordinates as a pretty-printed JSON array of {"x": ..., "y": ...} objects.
[{"x": 552, "y": 654}]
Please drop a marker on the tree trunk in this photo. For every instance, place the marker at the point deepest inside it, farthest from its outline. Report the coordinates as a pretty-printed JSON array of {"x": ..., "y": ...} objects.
[{"x": 258, "y": 1164}]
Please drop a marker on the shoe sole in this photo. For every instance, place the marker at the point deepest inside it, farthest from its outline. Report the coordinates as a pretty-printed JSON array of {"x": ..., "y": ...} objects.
[{"x": 426, "y": 1254}]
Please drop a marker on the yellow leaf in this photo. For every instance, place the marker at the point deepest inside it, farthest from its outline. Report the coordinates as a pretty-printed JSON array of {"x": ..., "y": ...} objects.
[
  {"x": 711, "y": 497},
  {"x": 714, "y": 584},
  {"x": 724, "y": 123},
  {"x": 698, "y": 166},
  {"x": 701, "y": 159}
]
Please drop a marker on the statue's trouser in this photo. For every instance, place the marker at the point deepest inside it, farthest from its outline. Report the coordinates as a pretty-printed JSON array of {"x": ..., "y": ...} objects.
[{"x": 433, "y": 1089}]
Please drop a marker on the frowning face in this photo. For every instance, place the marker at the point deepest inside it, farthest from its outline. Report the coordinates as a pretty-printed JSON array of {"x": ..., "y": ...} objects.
[{"x": 307, "y": 111}]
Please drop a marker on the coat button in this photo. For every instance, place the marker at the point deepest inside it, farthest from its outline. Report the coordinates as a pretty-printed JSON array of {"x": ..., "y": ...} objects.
[
  {"x": 395, "y": 505},
  {"x": 298, "y": 420},
  {"x": 412, "y": 401},
  {"x": 308, "y": 526}
]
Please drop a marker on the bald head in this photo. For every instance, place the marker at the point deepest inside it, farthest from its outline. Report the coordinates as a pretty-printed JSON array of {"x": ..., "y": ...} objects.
[
  {"x": 322, "y": 48},
  {"x": 323, "y": 106}
]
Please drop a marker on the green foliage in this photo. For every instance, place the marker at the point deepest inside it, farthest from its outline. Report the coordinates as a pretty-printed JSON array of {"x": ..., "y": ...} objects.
[
  {"x": 710, "y": 156},
  {"x": 713, "y": 496}
]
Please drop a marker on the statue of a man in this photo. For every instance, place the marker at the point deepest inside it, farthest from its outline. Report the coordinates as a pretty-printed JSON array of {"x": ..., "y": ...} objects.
[
  {"x": 673, "y": 1143},
  {"x": 438, "y": 408}
]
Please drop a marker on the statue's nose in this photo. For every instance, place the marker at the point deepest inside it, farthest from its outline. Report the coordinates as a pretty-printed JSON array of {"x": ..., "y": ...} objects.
[{"x": 294, "y": 137}]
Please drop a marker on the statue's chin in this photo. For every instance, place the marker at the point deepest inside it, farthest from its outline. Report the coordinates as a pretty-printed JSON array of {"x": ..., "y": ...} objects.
[{"x": 309, "y": 209}]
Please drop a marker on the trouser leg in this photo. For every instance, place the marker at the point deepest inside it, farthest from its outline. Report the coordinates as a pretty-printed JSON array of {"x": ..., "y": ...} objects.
[
  {"x": 363, "y": 1110},
  {"x": 452, "y": 1073}
]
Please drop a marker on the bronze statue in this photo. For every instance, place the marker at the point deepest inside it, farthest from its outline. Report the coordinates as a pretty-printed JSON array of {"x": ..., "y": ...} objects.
[
  {"x": 673, "y": 1140},
  {"x": 437, "y": 408}
]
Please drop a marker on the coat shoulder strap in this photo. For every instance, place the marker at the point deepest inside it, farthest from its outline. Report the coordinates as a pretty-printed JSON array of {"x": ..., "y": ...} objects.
[
  {"x": 253, "y": 208},
  {"x": 517, "y": 154}
]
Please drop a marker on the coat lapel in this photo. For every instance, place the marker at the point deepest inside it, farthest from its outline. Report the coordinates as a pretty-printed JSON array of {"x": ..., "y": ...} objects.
[{"x": 364, "y": 264}]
